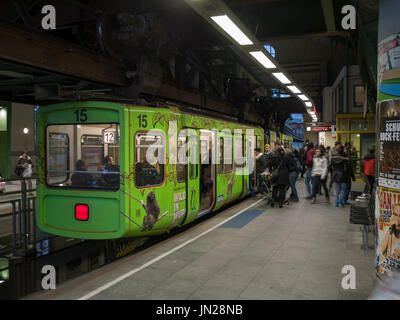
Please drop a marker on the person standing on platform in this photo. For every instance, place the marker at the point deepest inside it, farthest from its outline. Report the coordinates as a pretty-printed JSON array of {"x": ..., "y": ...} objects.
[
  {"x": 338, "y": 173},
  {"x": 274, "y": 160},
  {"x": 302, "y": 157},
  {"x": 286, "y": 165},
  {"x": 295, "y": 170},
  {"x": 267, "y": 149},
  {"x": 261, "y": 165},
  {"x": 24, "y": 169},
  {"x": 318, "y": 174},
  {"x": 349, "y": 175},
  {"x": 309, "y": 164},
  {"x": 368, "y": 169}
]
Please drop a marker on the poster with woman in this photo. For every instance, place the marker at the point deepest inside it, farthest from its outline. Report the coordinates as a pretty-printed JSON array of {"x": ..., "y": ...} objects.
[{"x": 388, "y": 232}]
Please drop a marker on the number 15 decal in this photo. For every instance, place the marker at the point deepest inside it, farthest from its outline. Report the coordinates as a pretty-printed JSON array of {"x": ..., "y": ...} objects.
[
  {"x": 142, "y": 120},
  {"x": 81, "y": 115}
]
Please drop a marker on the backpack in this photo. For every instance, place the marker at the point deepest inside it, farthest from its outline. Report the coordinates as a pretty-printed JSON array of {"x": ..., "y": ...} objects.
[{"x": 299, "y": 167}]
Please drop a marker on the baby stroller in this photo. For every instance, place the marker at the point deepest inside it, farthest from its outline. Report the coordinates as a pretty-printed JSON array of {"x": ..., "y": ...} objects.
[{"x": 266, "y": 185}]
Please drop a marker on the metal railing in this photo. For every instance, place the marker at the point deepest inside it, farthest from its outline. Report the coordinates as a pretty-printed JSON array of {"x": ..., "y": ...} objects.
[{"x": 23, "y": 215}]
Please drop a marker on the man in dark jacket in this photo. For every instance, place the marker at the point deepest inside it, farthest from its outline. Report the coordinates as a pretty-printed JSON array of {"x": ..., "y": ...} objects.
[
  {"x": 284, "y": 164},
  {"x": 339, "y": 176},
  {"x": 295, "y": 170},
  {"x": 261, "y": 165},
  {"x": 302, "y": 158},
  {"x": 309, "y": 164}
]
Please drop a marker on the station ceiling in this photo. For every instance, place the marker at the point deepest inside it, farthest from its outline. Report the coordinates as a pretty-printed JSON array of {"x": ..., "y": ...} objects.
[{"x": 307, "y": 37}]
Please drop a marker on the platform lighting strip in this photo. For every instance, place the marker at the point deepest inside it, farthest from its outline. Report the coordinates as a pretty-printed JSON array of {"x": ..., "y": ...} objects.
[
  {"x": 281, "y": 77},
  {"x": 263, "y": 59},
  {"x": 294, "y": 89},
  {"x": 231, "y": 28},
  {"x": 303, "y": 97},
  {"x": 238, "y": 35}
]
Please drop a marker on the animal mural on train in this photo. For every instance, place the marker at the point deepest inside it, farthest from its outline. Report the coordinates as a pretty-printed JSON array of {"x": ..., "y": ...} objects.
[{"x": 110, "y": 170}]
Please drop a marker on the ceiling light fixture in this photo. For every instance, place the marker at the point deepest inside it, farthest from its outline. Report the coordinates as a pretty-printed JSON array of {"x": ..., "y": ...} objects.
[
  {"x": 230, "y": 28},
  {"x": 263, "y": 59},
  {"x": 303, "y": 97},
  {"x": 282, "y": 78},
  {"x": 294, "y": 89},
  {"x": 309, "y": 104}
]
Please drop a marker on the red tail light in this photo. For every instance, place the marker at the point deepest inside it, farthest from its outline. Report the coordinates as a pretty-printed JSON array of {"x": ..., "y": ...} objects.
[{"x": 82, "y": 212}]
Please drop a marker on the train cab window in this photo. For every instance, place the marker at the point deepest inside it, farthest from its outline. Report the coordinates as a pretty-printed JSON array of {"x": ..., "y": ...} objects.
[
  {"x": 149, "y": 159},
  {"x": 59, "y": 158},
  {"x": 82, "y": 156}
]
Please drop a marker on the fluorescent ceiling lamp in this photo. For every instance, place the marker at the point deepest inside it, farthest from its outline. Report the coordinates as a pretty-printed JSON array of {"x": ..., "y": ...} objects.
[
  {"x": 230, "y": 28},
  {"x": 263, "y": 59},
  {"x": 309, "y": 104},
  {"x": 282, "y": 78},
  {"x": 303, "y": 97},
  {"x": 294, "y": 89}
]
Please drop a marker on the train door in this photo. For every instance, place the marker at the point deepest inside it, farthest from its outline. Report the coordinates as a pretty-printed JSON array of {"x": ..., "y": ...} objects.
[
  {"x": 193, "y": 176},
  {"x": 207, "y": 170}
]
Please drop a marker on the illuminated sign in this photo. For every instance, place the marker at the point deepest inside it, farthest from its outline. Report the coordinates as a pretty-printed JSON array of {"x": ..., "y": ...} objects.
[{"x": 321, "y": 128}]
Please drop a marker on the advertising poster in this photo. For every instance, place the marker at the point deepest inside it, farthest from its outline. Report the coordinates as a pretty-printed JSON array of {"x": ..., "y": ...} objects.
[
  {"x": 389, "y": 141},
  {"x": 389, "y": 51},
  {"x": 388, "y": 225}
]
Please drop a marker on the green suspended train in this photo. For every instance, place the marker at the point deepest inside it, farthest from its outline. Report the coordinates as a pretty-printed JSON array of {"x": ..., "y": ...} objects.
[{"x": 109, "y": 170}]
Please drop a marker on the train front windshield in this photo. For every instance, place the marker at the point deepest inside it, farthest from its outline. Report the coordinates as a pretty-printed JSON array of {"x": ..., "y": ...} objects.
[{"x": 83, "y": 156}]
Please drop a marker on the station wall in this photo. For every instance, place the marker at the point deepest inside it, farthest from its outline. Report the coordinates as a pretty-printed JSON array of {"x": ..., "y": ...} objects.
[{"x": 22, "y": 116}]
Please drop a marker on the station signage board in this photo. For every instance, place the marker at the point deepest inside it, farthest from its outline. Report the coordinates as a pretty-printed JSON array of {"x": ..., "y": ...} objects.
[{"x": 321, "y": 128}]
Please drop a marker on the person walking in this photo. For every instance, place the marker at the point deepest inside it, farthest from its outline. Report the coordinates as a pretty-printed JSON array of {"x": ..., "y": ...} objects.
[
  {"x": 368, "y": 169},
  {"x": 295, "y": 170},
  {"x": 24, "y": 169},
  {"x": 318, "y": 174},
  {"x": 309, "y": 164},
  {"x": 338, "y": 173}
]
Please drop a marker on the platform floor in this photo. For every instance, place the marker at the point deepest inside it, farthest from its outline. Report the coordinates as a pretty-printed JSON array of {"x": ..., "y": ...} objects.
[{"x": 296, "y": 252}]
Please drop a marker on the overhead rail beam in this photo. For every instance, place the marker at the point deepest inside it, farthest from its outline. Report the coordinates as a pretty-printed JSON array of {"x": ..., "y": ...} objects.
[
  {"x": 329, "y": 15},
  {"x": 218, "y": 14},
  {"x": 49, "y": 53}
]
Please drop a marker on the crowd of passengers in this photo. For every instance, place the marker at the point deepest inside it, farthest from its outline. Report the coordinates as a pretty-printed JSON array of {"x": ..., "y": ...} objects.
[{"x": 279, "y": 168}]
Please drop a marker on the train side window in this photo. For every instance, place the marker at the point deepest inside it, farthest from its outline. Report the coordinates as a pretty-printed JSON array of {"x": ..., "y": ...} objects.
[
  {"x": 193, "y": 161},
  {"x": 221, "y": 155},
  {"x": 181, "y": 168},
  {"x": 228, "y": 155},
  {"x": 149, "y": 159},
  {"x": 239, "y": 152}
]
